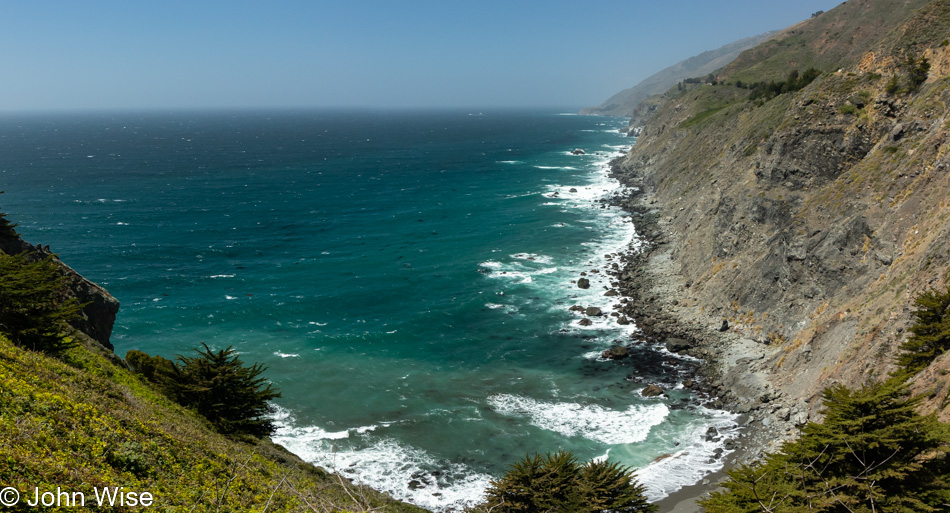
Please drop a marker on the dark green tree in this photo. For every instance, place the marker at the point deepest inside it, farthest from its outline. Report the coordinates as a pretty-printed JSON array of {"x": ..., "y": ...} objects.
[
  {"x": 7, "y": 229},
  {"x": 154, "y": 368},
  {"x": 917, "y": 71},
  {"x": 873, "y": 452},
  {"x": 230, "y": 394},
  {"x": 606, "y": 486},
  {"x": 35, "y": 307},
  {"x": 558, "y": 483},
  {"x": 930, "y": 333}
]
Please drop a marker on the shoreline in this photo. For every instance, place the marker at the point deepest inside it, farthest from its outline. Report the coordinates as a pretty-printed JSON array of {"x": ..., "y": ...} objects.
[{"x": 730, "y": 378}]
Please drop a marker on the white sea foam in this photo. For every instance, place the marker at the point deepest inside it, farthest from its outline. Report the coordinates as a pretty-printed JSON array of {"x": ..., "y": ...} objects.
[
  {"x": 508, "y": 162},
  {"x": 405, "y": 472},
  {"x": 541, "y": 259},
  {"x": 565, "y": 168},
  {"x": 221, "y": 276},
  {"x": 286, "y": 355},
  {"x": 590, "y": 421},
  {"x": 694, "y": 460}
]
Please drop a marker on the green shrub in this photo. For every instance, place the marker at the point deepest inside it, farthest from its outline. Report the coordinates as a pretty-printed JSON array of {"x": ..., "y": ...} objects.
[
  {"x": 873, "y": 452},
  {"x": 34, "y": 306},
  {"x": 848, "y": 109},
  {"x": 794, "y": 82},
  {"x": 558, "y": 483}
]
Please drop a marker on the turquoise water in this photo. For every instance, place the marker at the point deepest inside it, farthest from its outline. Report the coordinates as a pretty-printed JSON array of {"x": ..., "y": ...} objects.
[{"x": 406, "y": 278}]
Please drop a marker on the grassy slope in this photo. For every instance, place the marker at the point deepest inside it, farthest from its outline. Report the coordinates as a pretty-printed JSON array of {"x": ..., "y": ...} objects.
[
  {"x": 830, "y": 41},
  {"x": 84, "y": 421}
]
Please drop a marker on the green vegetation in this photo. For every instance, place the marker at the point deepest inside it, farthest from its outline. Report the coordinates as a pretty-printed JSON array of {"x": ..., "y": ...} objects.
[
  {"x": 931, "y": 332},
  {"x": 7, "y": 229},
  {"x": 73, "y": 416},
  {"x": 848, "y": 109},
  {"x": 558, "y": 483},
  {"x": 81, "y": 420},
  {"x": 873, "y": 452},
  {"x": 793, "y": 82},
  {"x": 699, "y": 118},
  {"x": 914, "y": 74},
  {"x": 34, "y": 305},
  {"x": 215, "y": 384}
]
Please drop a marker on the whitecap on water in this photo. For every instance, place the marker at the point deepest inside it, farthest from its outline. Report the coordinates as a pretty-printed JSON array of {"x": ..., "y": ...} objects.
[{"x": 590, "y": 421}]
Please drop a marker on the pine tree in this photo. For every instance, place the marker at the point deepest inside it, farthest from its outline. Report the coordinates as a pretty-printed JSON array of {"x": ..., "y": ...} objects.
[
  {"x": 7, "y": 229},
  {"x": 558, "y": 483},
  {"x": 606, "y": 486},
  {"x": 219, "y": 386},
  {"x": 931, "y": 332},
  {"x": 873, "y": 452},
  {"x": 34, "y": 306}
]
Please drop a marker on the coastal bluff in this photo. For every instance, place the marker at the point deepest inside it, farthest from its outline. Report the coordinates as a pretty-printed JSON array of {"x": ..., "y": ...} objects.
[
  {"x": 98, "y": 315},
  {"x": 791, "y": 231}
]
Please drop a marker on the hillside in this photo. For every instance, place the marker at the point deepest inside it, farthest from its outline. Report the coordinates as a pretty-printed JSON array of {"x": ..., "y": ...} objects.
[
  {"x": 623, "y": 103},
  {"x": 807, "y": 219},
  {"x": 82, "y": 421}
]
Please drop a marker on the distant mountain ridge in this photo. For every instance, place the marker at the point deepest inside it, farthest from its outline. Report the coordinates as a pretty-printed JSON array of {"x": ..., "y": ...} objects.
[{"x": 623, "y": 103}]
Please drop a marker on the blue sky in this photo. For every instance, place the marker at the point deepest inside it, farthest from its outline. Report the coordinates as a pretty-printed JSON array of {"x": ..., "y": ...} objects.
[{"x": 172, "y": 54}]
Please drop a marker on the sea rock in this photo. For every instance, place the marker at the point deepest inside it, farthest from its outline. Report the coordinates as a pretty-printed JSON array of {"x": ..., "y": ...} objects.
[
  {"x": 615, "y": 353},
  {"x": 583, "y": 283},
  {"x": 651, "y": 391},
  {"x": 585, "y": 322},
  {"x": 675, "y": 345},
  {"x": 611, "y": 293},
  {"x": 576, "y": 308},
  {"x": 578, "y": 151},
  {"x": 724, "y": 326},
  {"x": 572, "y": 190},
  {"x": 623, "y": 321},
  {"x": 593, "y": 311}
]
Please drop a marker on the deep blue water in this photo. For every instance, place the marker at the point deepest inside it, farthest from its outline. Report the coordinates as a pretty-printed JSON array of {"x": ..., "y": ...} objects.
[{"x": 406, "y": 277}]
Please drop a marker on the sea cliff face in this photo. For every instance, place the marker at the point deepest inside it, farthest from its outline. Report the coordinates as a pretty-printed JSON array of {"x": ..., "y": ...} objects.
[
  {"x": 808, "y": 221},
  {"x": 98, "y": 315}
]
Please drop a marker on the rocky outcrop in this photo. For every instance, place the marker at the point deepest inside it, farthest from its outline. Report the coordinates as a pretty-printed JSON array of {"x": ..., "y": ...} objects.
[{"x": 98, "y": 315}]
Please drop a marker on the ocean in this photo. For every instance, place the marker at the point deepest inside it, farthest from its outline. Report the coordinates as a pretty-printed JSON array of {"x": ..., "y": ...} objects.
[{"x": 406, "y": 277}]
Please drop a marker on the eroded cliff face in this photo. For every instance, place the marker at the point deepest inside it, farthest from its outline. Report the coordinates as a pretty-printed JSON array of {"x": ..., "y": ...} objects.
[
  {"x": 98, "y": 316},
  {"x": 811, "y": 221}
]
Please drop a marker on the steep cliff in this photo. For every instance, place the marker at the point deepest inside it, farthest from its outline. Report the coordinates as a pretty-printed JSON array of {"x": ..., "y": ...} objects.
[
  {"x": 98, "y": 314},
  {"x": 808, "y": 219}
]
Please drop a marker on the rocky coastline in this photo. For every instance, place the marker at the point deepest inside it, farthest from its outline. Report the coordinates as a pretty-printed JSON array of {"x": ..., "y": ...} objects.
[{"x": 733, "y": 375}]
